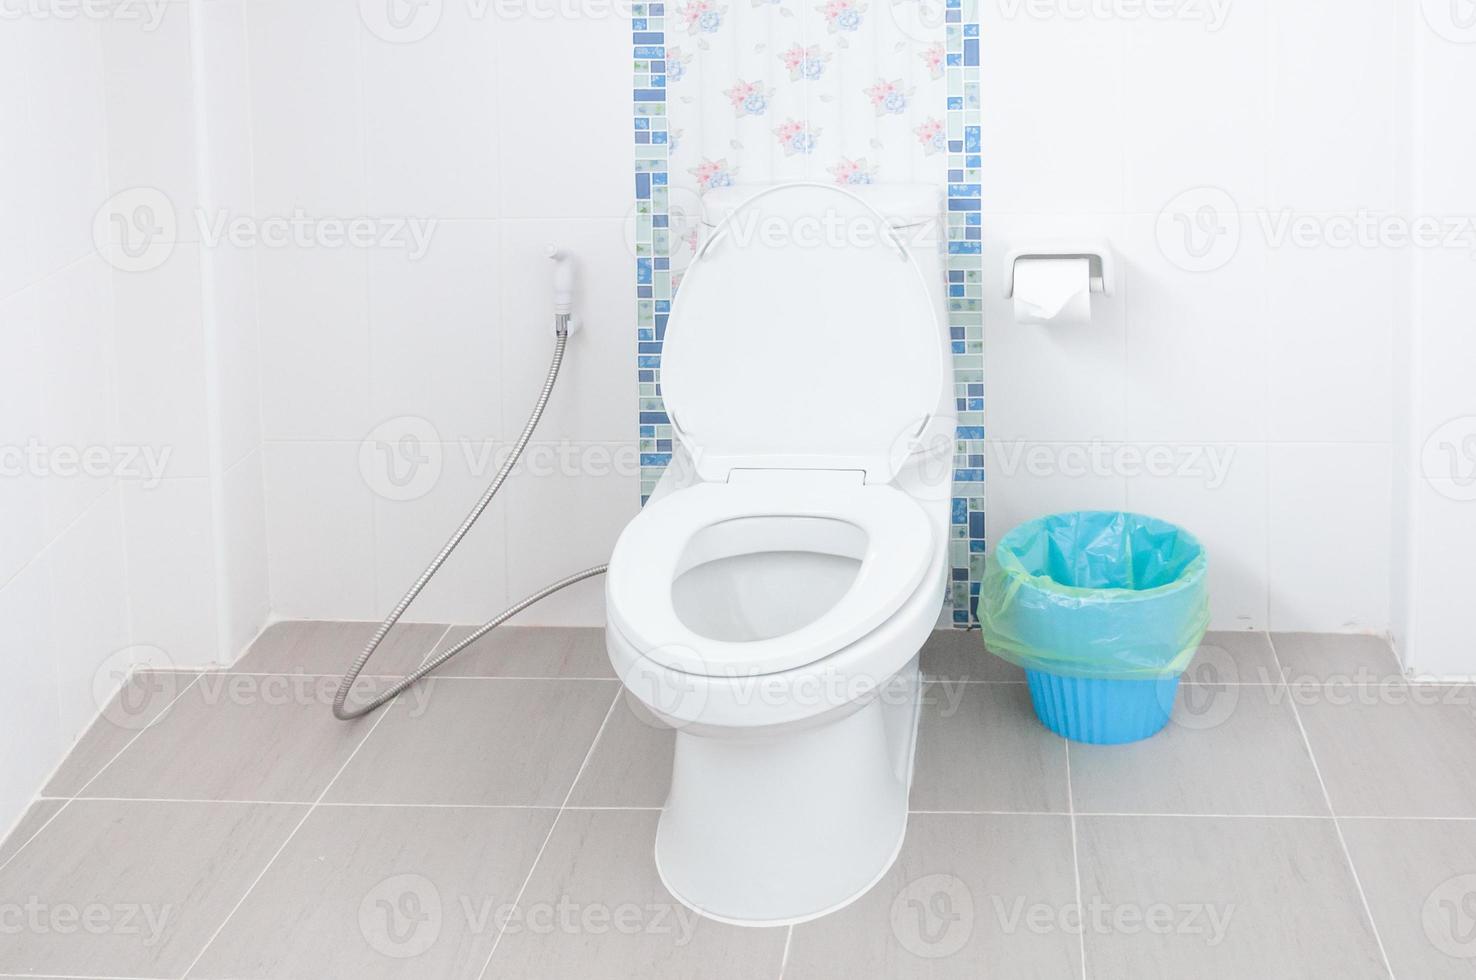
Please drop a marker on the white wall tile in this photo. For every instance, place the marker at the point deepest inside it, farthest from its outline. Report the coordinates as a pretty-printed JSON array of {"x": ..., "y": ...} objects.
[
  {"x": 1447, "y": 145},
  {"x": 472, "y": 586},
  {"x": 1328, "y": 537},
  {"x": 1333, "y": 139},
  {"x": 74, "y": 310},
  {"x": 235, "y": 385},
  {"x": 89, "y": 592},
  {"x": 1194, "y": 107},
  {"x": 22, "y": 489},
  {"x": 431, "y": 126},
  {"x": 244, "y": 559},
  {"x": 437, "y": 331},
  {"x": 314, "y": 326},
  {"x": 224, "y": 99},
  {"x": 34, "y": 740},
  {"x": 69, "y": 137},
  {"x": 1219, "y": 494},
  {"x": 1332, "y": 315},
  {"x": 1023, "y": 481},
  {"x": 1196, "y": 343},
  {"x": 579, "y": 164},
  {"x": 595, "y": 397},
  {"x": 1440, "y": 638},
  {"x": 564, "y": 517},
  {"x": 1051, "y": 382},
  {"x": 19, "y": 261},
  {"x": 150, "y": 108},
  {"x": 320, "y": 531},
  {"x": 172, "y": 568},
  {"x": 1056, "y": 143},
  {"x": 307, "y": 116},
  {"x": 161, "y": 361}
]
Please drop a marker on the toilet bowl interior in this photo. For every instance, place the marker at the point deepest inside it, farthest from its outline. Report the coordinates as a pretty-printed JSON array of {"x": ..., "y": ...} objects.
[{"x": 756, "y": 578}]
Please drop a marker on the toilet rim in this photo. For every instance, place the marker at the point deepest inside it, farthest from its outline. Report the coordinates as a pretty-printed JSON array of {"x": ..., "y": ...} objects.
[{"x": 894, "y": 562}]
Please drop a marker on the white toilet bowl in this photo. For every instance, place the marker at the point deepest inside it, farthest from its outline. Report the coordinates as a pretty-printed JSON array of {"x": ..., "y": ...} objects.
[{"x": 772, "y": 610}]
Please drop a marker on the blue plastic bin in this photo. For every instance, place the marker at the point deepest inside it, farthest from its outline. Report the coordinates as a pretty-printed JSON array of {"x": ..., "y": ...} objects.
[{"x": 1103, "y": 610}]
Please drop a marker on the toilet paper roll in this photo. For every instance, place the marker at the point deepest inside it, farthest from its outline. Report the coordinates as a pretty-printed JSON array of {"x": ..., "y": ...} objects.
[{"x": 1057, "y": 291}]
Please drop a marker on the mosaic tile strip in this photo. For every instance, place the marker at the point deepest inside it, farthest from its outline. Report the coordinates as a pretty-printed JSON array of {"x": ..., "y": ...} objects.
[{"x": 800, "y": 40}]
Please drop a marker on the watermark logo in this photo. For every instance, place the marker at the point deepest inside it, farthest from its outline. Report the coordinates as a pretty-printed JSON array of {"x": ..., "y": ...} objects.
[
  {"x": 401, "y": 917},
  {"x": 1448, "y": 459},
  {"x": 146, "y": 465},
  {"x": 1210, "y": 465},
  {"x": 135, "y": 229},
  {"x": 1199, "y": 230},
  {"x": 148, "y": 14},
  {"x": 1210, "y": 923},
  {"x": 933, "y": 916},
  {"x": 1452, "y": 20},
  {"x": 401, "y": 21},
  {"x": 1449, "y": 916},
  {"x": 921, "y": 21},
  {"x": 1209, "y": 691},
  {"x": 401, "y": 459},
  {"x": 131, "y": 682},
  {"x": 142, "y": 923}
]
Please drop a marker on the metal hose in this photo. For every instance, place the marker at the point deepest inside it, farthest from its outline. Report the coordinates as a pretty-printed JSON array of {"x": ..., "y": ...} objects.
[{"x": 341, "y": 708}]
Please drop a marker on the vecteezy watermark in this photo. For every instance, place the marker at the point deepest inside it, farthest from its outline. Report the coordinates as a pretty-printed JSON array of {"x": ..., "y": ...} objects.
[
  {"x": 1201, "y": 230},
  {"x": 404, "y": 916},
  {"x": 148, "y": 14},
  {"x": 408, "y": 21},
  {"x": 1211, "y": 13},
  {"x": 933, "y": 916},
  {"x": 1452, "y": 20},
  {"x": 144, "y": 464},
  {"x": 1208, "y": 464},
  {"x": 1449, "y": 916},
  {"x": 1100, "y": 917},
  {"x": 132, "y": 684},
  {"x": 144, "y": 922},
  {"x": 1448, "y": 459},
  {"x": 136, "y": 230},
  {"x": 401, "y": 459}
]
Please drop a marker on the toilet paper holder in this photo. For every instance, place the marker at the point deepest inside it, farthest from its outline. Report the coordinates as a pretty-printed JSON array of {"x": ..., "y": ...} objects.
[{"x": 1101, "y": 264}]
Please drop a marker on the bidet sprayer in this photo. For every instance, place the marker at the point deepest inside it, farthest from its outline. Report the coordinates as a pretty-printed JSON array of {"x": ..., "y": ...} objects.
[{"x": 563, "y": 289}]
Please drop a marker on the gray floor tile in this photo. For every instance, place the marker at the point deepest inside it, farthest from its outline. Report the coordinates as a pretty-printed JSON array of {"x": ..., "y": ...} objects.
[
  {"x": 35, "y": 817},
  {"x": 631, "y": 763},
  {"x": 622, "y": 922},
  {"x": 134, "y": 708},
  {"x": 971, "y": 895},
  {"x": 529, "y": 651},
  {"x": 1234, "y": 658},
  {"x": 960, "y": 655},
  {"x": 265, "y": 737},
  {"x": 382, "y": 892},
  {"x": 980, "y": 747},
  {"x": 311, "y": 647},
  {"x": 1229, "y": 748},
  {"x": 159, "y": 877},
  {"x": 1153, "y": 889},
  {"x": 1420, "y": 881},
  {"x": 1393, "y": 750},
  {"x": 479, "y": 742},
  {"x": 1354, "y": 658}
]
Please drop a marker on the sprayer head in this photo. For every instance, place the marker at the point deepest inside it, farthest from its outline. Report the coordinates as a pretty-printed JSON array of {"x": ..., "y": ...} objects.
[{"x": 563, "y": 280}]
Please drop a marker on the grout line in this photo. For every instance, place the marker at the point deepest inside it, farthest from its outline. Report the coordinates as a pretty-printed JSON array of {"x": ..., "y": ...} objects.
[
  {"x": 136, "y": 735},
  {"x": 1075, "y": 862},
  {"x": 46, "y": 823},
  {"x": 528, "y": 878},
  {"x": 382, "y": 714},
  {"x": 1337, "y": 825},
  {"x": 784, "y": 959}
]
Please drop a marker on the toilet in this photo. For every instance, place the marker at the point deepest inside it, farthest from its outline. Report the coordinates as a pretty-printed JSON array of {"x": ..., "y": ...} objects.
[{"x": 770, "y": 600}]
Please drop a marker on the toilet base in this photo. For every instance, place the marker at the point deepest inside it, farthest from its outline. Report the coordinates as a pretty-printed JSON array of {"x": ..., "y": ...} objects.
[{"x": 783, "y": 828}]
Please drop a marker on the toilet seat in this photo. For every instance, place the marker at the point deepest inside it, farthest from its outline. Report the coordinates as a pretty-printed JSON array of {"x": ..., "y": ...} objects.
[{"x": 895, "y": 559}]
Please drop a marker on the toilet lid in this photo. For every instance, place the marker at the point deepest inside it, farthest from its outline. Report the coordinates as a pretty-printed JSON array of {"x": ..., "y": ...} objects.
[
  {"x": 803, "y": 336},
  {"x": 898, "y": 555}
]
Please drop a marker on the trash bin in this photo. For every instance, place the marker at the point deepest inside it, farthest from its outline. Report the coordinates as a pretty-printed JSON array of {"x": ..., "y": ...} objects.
[{"x": 1104, "y": 610}]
